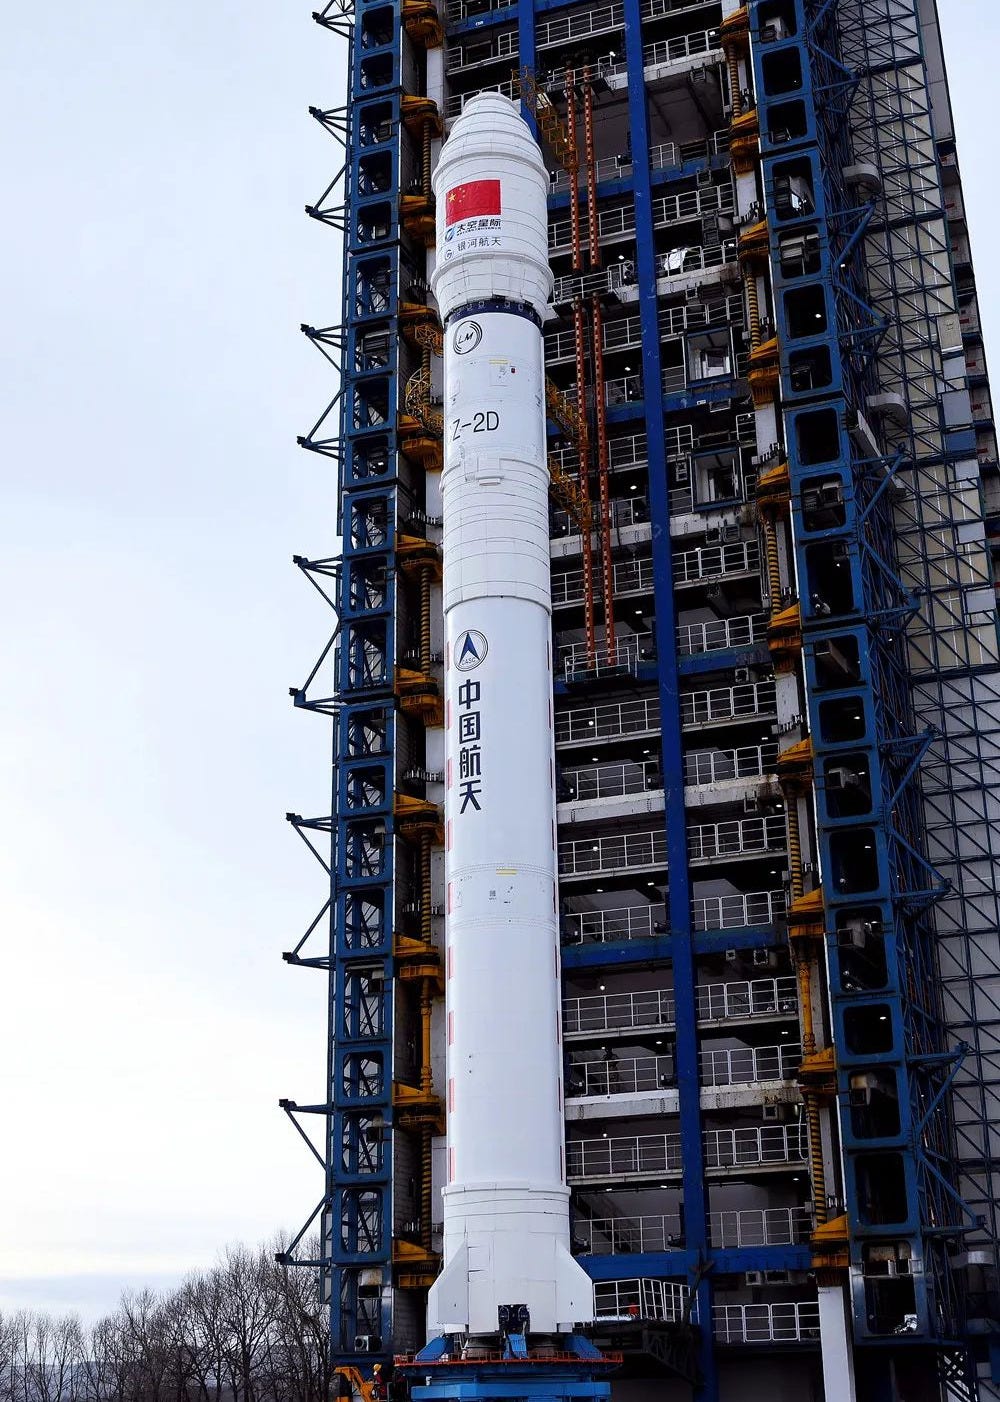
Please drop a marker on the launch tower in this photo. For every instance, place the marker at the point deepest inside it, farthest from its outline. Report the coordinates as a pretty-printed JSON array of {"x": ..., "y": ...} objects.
[{"x": 774, "y": 519}]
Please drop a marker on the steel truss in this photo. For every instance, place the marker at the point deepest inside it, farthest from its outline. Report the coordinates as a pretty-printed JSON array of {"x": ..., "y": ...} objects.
[
  {"x": 357, "y": 430},
  {"x": 913, "y": 539},
  {"x": 943, "y": 556}
]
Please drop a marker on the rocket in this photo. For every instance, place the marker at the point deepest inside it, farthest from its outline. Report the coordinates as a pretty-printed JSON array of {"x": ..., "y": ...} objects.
[{"x": 506, "y": 1203}]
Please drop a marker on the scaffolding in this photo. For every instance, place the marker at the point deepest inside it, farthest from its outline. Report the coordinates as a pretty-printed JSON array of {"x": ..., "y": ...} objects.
[{"x": 777, "y": 698}]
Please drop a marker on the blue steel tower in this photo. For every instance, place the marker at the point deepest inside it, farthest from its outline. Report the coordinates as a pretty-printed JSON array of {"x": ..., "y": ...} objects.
[{"x": 774, "y": 527}]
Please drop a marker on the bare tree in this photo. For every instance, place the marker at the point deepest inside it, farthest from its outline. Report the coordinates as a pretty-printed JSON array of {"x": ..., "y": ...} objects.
[{"x": 248, "y": 1330}]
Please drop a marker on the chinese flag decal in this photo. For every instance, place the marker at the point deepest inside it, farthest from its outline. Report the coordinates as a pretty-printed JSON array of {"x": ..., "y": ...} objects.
[{"x": 473, "y": 198}]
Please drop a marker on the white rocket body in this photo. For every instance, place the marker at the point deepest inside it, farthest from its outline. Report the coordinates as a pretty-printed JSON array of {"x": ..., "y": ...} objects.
[{"x": 506, "y": 1204}]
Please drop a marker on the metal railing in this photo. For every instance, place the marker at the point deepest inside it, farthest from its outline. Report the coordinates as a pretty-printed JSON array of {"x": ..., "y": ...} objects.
[
  {"x": 661, "y": 9},
  {"x": 759, "y": 997},
  {"x": 455, "y": 104},
  {"x": 666, "y": 156},
  {"x": 600, "y": 20},
  {"x": 624, "y": 923},
  {"x": 503, "y": 45},
  {"x": 717, "y": 766},
  {"x": 673, "y": 379},
  {"x": 633, "y": 576},
  {"x": 680, "y": 500},
  {"x": 610, "y": 781},
  {"x": 628, "y": 922},
  {"x": 625, "y": 511},
  {"x": 663, "y": 1300},
  {"x": 792, "y": 1321},
  {"x": 692, "y": 204},
  {"x": 721, "y": 633},
  {"x": 667, "y": 209},
  {"x": 628, "y": 651},
  {"x": 585, "y": 284},
  {"x": 754, "y": 1145},
  {"x": 463, "y": 9},
  {"x": 624, "y": 1236},
  {"x": 761, "y": 1226},
  {"x": 620, "y": 1076},
  {"x": 590, "y": 856},
  {"x": 695, "y": 258},
  {"x": 743, "y": 1066},
  {"x": 718, "y": 311},
  {"x": 618, "y": 1012},
  {"x": 608, "y": 721},
  {"x": 627, "y": 389},
  {"x": 722, "y": 703},
  {"x": 647, "y": 1154},
  {"x": 625, "y": 333},
  {"x": 611, "y": 223},
  {"x": 630, "y": 450},
  {"x": 737, "y": 912},
  {"x": 715, "y": 561},
  {"x": 663, "y": 51},
  {"x": 684, "y": 46},
  {"x": 734, "y": 838}
]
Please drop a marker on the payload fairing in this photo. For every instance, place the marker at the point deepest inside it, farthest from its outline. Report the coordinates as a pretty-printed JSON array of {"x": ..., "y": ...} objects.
[{"x": 506, "y": 1204}]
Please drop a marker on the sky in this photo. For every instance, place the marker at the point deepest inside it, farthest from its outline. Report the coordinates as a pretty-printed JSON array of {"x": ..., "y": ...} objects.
[{"x": 155, "y": 264}]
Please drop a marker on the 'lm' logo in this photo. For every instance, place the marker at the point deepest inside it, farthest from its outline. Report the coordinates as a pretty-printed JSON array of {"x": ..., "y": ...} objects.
[{"x": 470, "y": 650}]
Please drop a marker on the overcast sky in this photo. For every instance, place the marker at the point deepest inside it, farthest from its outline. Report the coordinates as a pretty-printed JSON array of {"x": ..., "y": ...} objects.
[{"x": 155, "y": 267}]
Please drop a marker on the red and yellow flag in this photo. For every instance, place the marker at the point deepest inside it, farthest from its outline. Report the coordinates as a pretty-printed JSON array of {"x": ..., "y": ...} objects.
[{"x": 475, "y": 197}]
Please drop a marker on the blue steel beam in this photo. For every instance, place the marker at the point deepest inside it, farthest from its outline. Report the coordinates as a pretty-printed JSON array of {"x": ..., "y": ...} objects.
[{"x": 681, "y": 951}]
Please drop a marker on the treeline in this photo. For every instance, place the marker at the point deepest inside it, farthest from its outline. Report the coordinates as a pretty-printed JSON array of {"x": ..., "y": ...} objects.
[{"x": 249, "y": 1330}]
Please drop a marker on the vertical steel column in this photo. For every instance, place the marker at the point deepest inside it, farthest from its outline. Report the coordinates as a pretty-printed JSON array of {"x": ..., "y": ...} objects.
[
  {"x": 603, "y": 483},
  {"x": 574, "y": 175},
  {"x": 679, "y": 898},
  {"x": 583, "y": 442},
  {"x": 593, "y": 222}
]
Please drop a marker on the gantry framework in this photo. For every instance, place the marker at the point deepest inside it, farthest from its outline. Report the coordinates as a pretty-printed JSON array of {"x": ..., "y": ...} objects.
[{"x": 778, "y": 692}]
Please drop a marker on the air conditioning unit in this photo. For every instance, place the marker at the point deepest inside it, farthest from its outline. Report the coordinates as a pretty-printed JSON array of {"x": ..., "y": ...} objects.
[
  {"x": 858, "y": 932},
  {"x": 777, "y": 1277},
  {"x": 764, "y": 959},
  {"x": 861, "y": 1089},
  {"x": 840, "y": 779},
  {"x": 732, "y": 956},
  {"x": 828, "y": 653},
  {"x": 754, "y": 1277},
  {"x": 770, "y": 1114},
  {"x": 742, "y": 674},
  {"x": 367, "y": 1343}
]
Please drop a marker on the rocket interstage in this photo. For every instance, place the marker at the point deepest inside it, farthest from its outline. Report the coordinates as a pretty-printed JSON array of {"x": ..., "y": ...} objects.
[{"x": 506, "y": 1204}]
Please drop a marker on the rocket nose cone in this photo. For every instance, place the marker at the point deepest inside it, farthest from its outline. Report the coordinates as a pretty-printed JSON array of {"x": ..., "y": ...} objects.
[
  {"x": 490, "y": 125},
  {"x": 481, "y": 102}
]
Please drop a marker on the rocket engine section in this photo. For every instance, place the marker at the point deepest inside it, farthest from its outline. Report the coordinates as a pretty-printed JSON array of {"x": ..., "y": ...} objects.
[{"x": 506, "y": 1204}]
